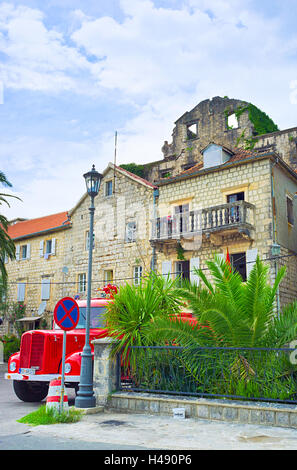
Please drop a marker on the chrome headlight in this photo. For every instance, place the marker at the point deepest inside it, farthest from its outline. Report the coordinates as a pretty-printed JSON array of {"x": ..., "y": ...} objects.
[
  {"x": 12, "y": 366},
  {"x": 67, "y": 368}
]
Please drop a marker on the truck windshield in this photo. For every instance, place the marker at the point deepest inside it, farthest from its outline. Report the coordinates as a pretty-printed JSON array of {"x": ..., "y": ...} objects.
[{"x": 96, "y": 317}]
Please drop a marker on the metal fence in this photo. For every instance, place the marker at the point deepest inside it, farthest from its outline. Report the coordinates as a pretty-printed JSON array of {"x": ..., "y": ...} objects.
[{"x": 261, "y": 374}]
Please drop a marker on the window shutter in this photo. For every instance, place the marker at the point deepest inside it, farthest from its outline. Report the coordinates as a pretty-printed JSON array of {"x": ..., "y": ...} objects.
[
  {"x": 166, "y": 268},
  {"x": 28, "y": 251},
  {"x": 41, "y": 249},
  {"x": 5, "y": 258},
  {"x": 21, "y": 292},
  {"x": 53, "y": 246},
  {"x": 194, "y": 263},
  {"x": 251, "y": 256},
  {"x": 45, "y": 289},
  {"x": 17, "y": 252}
]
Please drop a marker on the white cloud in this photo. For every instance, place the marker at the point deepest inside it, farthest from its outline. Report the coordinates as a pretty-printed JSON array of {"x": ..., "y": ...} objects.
[
  {"x": 161, "y": 61},
  {"x": 39, "y": 58}
]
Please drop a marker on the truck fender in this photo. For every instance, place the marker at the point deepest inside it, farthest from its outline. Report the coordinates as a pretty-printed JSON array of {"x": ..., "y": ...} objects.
[
  {"x": 74, "y": 360},
  {"x": 16, "y": 359}
]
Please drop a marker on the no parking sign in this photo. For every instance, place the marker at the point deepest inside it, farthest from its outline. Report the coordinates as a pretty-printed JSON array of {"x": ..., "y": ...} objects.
[
  {"x": 66, "y": 313},
  {"x": 66, "y": 316}
]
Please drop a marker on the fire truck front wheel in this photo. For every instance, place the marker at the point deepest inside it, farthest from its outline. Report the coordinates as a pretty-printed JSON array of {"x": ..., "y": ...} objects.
[{"x": 30, "y": 391}]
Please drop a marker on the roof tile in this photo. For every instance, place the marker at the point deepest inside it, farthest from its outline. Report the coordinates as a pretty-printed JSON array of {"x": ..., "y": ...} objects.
[{"x": 41, "y": 224}]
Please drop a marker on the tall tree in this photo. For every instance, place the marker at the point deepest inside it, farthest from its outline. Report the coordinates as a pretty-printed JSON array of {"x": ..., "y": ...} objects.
[{"x": 7, "y": 247}]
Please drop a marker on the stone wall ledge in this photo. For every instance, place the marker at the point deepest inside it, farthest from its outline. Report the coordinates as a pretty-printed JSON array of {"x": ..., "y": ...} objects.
[{"x": 260, "y": 413}]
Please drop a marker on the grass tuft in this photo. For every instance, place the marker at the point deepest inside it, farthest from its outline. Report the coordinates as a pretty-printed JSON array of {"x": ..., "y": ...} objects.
[{"x": 50, "y": 416}]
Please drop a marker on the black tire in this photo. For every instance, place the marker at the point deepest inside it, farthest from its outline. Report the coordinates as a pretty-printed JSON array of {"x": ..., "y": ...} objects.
[{"x": 30, "y": 391}]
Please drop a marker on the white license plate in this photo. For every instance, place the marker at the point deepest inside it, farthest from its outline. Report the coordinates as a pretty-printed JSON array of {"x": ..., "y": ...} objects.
[{"x": 27, "y": 371}]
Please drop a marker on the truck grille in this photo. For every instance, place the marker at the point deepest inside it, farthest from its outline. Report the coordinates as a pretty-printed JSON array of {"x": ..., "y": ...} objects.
[{"x": 32, "y": 347}]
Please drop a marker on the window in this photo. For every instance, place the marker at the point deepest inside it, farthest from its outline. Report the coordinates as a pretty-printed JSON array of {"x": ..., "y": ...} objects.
[
  {"x": 130, "y": 232},
  {"x": 108, "y": 275},
  {"x": 108, "y": 188},
  {"x": 232, "y": 122},
  {"x": 48, "y": 246},
  {"x": 87, "y": 240},
  {"x": 137, "y": 274},
  {"x": 192, "y": 130},
  {"x": 82, "y": 283},
  {"x": 238, "y": 261},
  {"x": 234, "y": 211},
  {"x": 182, "y": 270},
  {"x": 21, "y": 288},
  {"x": 290, "y": 213},
  {"x": 45, "y": 288},
  {"x": 181, "y": 218},
  {"x": 235, "y": 197},
  {"x": 23, "y": 252},
  {"x": 214, "y": 155}
]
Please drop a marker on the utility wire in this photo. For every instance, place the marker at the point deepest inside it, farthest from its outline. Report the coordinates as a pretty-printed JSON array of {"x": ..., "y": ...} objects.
[{"x": 104, "y": 282}]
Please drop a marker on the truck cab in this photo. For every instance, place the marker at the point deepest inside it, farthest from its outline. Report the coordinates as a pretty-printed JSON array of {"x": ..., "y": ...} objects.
[{"x": 40, "y": 357}]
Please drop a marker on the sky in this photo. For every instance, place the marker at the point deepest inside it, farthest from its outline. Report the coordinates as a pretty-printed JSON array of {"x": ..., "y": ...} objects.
[{"x": 74, "y": 72}]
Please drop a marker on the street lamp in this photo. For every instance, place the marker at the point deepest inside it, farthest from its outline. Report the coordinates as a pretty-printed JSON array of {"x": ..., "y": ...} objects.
[{"x": 85, "y": 396}]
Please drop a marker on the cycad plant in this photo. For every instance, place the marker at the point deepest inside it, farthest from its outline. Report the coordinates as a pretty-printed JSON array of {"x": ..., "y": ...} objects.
[
  {"x": 236, "y": 313},
  {"x": 232, "y": 314}
]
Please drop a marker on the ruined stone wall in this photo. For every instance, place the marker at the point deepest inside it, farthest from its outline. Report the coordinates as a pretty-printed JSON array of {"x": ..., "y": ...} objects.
[
  {"x": 284, "y": 143},
  {"x": 211, "y": 119}
]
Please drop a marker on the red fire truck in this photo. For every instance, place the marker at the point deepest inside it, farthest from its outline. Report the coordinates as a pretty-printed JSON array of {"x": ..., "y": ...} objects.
[{"x": 40, "y": 357}]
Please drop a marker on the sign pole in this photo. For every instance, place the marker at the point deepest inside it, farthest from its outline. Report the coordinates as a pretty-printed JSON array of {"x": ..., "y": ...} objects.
[
  {"x": 63, "y": 372},
  {"x": 66, "y": 316}
]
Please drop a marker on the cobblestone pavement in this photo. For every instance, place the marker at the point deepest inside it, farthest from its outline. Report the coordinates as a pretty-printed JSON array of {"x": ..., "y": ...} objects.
[{"x": 164, "y": 432}]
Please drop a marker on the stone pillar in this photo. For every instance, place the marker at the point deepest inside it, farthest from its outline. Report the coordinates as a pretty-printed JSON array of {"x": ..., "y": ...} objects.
[{"x": 106, "y": 378}]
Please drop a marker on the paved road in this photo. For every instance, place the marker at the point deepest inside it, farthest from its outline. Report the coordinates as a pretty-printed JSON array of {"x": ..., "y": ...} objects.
[
  {"x": 123, "y": 431},
  {"x": 18, "y": 436}
]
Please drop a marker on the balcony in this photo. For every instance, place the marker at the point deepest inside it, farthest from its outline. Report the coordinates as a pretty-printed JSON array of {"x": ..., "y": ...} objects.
[{"x": 211, "y": 223}]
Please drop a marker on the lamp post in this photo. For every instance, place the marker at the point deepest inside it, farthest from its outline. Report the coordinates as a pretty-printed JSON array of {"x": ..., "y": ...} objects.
[{"x": 85, "y": 396}]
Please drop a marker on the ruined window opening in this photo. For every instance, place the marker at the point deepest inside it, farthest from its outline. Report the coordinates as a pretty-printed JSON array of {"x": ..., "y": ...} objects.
[
  {"x": 232, "y": 121},
  {"x": 192, "y": 130}
]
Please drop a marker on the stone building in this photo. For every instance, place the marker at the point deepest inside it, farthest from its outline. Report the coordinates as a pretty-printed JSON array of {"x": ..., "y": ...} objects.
[
  {"x": 36, "y": 276},
  {"x": 242, "y": 202},
  {"x": 227, "y": 182},
  {"x": 231, "y": 123},
  {"x": 122, "y": 251},
  {"x": 52, "y": 251}
]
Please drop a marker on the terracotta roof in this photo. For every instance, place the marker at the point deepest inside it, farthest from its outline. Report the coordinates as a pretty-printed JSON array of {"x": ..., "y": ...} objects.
[
  {"x": 41, "y": 224},
  {"x": 239, "y": 154}
]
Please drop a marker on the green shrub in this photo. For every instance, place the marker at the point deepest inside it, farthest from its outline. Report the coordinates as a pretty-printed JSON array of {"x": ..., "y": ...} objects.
[{"x": 11, "y": 345}]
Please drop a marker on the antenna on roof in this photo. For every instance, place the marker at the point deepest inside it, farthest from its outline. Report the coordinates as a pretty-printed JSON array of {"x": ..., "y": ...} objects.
[{"x": 115, "y": 159}]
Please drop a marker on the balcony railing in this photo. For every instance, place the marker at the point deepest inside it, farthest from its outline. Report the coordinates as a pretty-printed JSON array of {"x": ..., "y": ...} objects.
[{"x": 235, "y": 215}]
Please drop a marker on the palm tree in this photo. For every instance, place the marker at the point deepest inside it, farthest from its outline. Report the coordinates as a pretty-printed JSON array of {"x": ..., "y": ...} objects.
[
  {"x": 134, "y": 307},
  {"x": 7, "y": 247}
]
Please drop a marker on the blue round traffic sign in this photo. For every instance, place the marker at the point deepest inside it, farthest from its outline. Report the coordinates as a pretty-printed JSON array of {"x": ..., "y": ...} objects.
[{"x": 66, "y": 313}]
